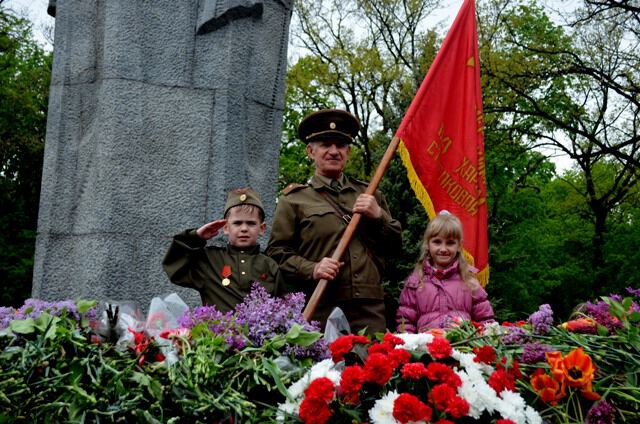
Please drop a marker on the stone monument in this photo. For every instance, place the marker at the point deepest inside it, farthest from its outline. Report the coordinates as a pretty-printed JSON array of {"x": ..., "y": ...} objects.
[{"x": 157, "y": 108}]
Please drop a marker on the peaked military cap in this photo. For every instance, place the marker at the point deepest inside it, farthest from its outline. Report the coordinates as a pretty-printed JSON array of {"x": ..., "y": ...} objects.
[
  {"x": 328, "y": 124},
  {"x": 242, "y": 196}
]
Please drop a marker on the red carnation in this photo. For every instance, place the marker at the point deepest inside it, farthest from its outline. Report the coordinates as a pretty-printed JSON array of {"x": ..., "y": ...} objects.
[
  {"x": 313, "y": 411},
  {"x": 440, "y": 348},
  {"x": 343, "y": 345},
  {"x": 378, "y": 369},
  {"x": 443, "y": 421},
  {"x": 314, "y": 408},
  {"x": 443, "y": 374},
  {"x": 500, "y": 380},
  {"x": 320, "y": 389},
  {"x": 505, "y": 421},
  {"x": 457, "y": 407},
  {"x": 440, "y": 395},
  {"x": 394, "y": 340},
  {"x": 408, "y": 408},
  {"x": 513, "y": 370},
  {"x": 351, "y": 383},
  {"x": 399, "y": 356},
  {"x": 383, "y": 348},
  {"x": 414, "y": 371},
  {"x": 486, "y": 354}
]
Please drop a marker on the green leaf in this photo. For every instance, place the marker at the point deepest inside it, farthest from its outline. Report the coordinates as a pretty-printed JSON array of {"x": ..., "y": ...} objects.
[
  {"x": 23, "y": 326},
  {"x": 278, "y": 342},
  {"x": 634, "y": 316},
  {"x": 275, "y": 373},
  {"x": 294, "y": 331},
  {"x": 300, "y": 337},
  {"x": 48, "y": 324},
  {"x": 602, "y": 330},
  {"x": 84, "y": 305}
]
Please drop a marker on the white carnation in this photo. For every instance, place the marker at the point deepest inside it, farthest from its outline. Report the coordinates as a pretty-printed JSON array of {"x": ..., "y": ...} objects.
[
  {"x": 533, "y": 417},
  {"x": 415, "y": 342},
  {"x": 382, "y": 411}
]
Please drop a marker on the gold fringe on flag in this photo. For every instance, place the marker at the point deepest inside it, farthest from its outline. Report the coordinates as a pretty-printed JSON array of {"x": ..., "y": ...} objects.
[
  {"x": 425, "y": 200},
  {"x": 415, "y": 182}
]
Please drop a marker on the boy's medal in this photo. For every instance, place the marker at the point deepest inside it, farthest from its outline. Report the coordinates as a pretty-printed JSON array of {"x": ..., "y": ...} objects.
[{"x": 226, "y": 273}]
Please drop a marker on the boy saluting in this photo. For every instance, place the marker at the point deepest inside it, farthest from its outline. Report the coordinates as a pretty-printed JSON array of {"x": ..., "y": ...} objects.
[{"x": 224, "y": 275}]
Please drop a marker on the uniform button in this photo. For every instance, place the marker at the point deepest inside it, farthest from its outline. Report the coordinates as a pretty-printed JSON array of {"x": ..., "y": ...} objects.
[
  {"x": 243, "y": 273},
  {"x": 242, "y": 251},
  {"x": 357, "y": 293},
  {"x": 241, "y": 261},
  {"x": 355, "y": 275}
]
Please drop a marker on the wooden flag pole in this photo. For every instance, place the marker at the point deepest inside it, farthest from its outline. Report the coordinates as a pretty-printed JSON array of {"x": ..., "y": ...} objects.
[{"x": 351, "y": 228}]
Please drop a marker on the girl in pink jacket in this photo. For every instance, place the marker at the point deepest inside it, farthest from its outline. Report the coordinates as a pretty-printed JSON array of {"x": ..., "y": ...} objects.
[{"x": 441, "y": 290}]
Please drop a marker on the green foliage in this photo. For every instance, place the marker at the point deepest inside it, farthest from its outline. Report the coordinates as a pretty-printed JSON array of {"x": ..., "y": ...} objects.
[
  {"x": 25, "y": 70},
  {"x": 51, "y": 367}
]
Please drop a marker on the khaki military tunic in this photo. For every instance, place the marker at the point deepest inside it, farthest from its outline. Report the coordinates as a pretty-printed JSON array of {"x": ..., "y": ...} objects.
[
  {"x": 307, "y": 228},
  {"x": 189, "y": 263}
]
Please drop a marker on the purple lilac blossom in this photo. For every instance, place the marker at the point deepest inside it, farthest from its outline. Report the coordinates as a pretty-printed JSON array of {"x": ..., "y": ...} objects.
[
  {"x": 535, "y": 352},
  {"x": 542, "y": 320},
  {"x": 7, "y": 314},
  {"x": 601, "y": 413},
  {"x": 516, "y": 335},
  {"x": 633, "y": 292},
  {"x": 265, "y": 316},
  {"x": 32, "y": 308},
  {"x": 219, "y": 323},
  {"x": 615, "y": 297},
  {"x": 599, "y": 311}
]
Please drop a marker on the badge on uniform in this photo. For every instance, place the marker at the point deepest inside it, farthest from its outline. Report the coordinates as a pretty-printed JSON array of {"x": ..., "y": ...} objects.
[{"x": 226, "y": 273}]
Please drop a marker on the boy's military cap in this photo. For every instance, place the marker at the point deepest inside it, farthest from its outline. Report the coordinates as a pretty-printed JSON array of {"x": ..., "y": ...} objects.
[
  {"x": 328, "y": 124},
  {"x": 242, "y": 196}
]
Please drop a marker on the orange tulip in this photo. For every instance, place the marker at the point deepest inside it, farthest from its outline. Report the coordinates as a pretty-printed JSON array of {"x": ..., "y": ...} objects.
[
  {"x": 557, "y": 367},
  {"x": 549, "y": 390},
  {"x": 579, "y": 372},
  {"x": 574, "y": 370},
  {"x": 579, "y": 369}
]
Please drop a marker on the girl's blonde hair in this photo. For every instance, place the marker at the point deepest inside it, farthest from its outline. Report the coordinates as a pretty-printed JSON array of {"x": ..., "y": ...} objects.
[{"x": 445, "y": 226}]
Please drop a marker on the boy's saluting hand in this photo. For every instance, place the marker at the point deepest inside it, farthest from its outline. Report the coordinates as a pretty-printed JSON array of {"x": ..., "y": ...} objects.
[{"x": 211, "y": 229}]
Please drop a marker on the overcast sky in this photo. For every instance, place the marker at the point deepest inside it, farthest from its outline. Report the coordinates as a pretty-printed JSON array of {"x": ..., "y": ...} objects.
[{"x": 36, "y": 12}]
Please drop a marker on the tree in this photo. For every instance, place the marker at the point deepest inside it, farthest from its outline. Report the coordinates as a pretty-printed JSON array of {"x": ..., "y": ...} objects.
[
  {"x": 574, "y": 92},
  {"x": 25, "y": 70},
  {"x": 365, "y": 71}
]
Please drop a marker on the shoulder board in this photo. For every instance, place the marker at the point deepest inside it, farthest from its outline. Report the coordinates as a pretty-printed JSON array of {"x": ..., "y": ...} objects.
[{"x": 293, "y": 187}]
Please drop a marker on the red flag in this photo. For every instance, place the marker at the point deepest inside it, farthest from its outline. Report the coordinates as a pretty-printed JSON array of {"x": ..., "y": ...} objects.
[{"x": 442, "y": 138}]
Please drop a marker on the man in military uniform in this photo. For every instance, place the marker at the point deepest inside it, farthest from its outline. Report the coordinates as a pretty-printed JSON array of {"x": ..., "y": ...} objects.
[
  {"x": 224, "y": 275},
  {"x": 310, "y": 219}
]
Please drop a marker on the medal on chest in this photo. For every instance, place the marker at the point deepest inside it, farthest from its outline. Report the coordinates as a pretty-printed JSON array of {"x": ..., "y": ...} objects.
[{"x": 225, "y": 274}]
